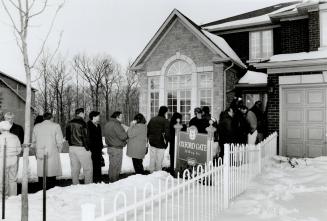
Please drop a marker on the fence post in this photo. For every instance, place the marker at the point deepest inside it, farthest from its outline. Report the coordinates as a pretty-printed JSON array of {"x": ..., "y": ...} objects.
[
  {"x": 211, "y": 130},
  {"x": 226, "y": 174},
  {"x": 4, "y": 157},
  {"x": 88, "y": 212},
  {"x": 259, "y": 158},
  {"x": 178, "y": 128}
]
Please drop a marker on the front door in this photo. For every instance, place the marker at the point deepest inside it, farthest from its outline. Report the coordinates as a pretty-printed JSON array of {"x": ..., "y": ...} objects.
[{"x": 304, "y": 121}]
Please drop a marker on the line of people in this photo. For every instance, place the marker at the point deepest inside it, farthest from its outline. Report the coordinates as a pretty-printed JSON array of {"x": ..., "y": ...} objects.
[{"x": 237, "y": 124}]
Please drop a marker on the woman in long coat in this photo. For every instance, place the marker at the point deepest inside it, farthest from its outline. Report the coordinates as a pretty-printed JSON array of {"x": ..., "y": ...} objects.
[
  {"x": 137, "y": 142},
  {"x": 48, "y": 139}
]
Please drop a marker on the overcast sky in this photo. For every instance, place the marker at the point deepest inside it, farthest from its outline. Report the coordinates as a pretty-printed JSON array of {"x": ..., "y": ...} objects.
[{"x": 121, "y": 28}]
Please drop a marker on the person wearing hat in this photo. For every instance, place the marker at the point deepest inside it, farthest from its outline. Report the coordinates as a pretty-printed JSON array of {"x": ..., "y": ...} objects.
[
  {"x": 13, "y": 148},
  {"x": 197, "y": 121}
]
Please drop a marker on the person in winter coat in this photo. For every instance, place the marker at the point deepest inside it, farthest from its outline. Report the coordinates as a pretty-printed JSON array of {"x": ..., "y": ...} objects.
[
  {"x": 226, "y": 129},
  {"x": 116, "y": 139},
  {"x": 15, "y": 128},
  {"x": 251, "y": 125},
  {"x": 257, "y": 109},
  {"x": 47, "y": 139},
  {"x": 137, "y": 142},
  {"x": 197, "y": 121},
  {"x": 79, "y": 151},
  {"x": 173, "y": 122},
  {"x": 13, "y": 148},
  {"x": 159, "y": 136},
  {"x": 95, "y": 144}
]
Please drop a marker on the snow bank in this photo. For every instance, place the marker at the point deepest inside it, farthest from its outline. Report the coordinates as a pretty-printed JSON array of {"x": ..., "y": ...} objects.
[{"x": 127, "y": 166}]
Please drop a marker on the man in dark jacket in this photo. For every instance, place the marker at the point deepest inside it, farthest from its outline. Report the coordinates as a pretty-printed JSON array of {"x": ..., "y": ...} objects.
[
  {"x": 197, "y": 121},
  {"x": 15, "y": 128},
  {"x": 95, "y": 144},
  {"x": 261, "y": 121},
  {"x": 116, "y": 139},
  {"x": 226, "y": 129},
  {"x": 79, "y": 152},
  {"x": 159, "y": 136}
]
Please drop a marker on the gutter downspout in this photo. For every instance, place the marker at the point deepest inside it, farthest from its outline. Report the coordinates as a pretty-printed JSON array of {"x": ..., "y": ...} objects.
[{"x": 224, "y": 85}]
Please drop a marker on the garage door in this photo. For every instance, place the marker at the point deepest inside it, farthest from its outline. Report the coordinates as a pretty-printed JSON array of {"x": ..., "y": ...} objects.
[{"x": 304, "y": 121}]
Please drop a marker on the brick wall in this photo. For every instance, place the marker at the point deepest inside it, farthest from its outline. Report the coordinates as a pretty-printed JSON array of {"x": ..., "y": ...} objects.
[
  {"x": 179, "y": 39},
  {"x": 143, "y": 98},
  {"x": 314, "y": 31},
  {"x": 293, "y": 36}
]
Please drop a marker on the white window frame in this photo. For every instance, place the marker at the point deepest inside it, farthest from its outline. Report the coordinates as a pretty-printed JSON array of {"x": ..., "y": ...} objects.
[
  {"x": 155, "y": 90},
  {"x": 208, "y": 86},
  {"x": 260, "y": 57}
]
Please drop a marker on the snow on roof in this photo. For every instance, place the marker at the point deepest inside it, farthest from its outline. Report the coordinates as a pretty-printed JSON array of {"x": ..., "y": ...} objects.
[
  {"x": 252, "y": 77},
  {"x": 299, "y": 56},
  {"x": 262, "y": 19},
  {"x": 224, "y": 46}
]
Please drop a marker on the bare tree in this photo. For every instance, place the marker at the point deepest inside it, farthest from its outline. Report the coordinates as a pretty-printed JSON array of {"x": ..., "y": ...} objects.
[
  {"x": 20, "y": 13},
  {"x": 93, "y": 71},
  {"x": 130, "y": 90},
  {"x": 107, "y": 84}
]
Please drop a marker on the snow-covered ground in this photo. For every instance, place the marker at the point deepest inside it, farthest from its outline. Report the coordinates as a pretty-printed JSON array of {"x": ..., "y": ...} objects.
[
  {"x": 281, "y": 193},
  {"x": 127, "y": 166}
]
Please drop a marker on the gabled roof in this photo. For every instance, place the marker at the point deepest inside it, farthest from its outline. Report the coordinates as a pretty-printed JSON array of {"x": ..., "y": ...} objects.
[
  {"x": 14, "y": 91},
  {"x": 14, "y": 79},
  {"x": 219, "y": 47},
  {"x": 251, "y": 14}
]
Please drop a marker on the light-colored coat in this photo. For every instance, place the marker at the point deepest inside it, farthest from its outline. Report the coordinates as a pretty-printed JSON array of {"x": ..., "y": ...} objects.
[
  {"x": 47, "y": 137},
  {"x": 137, "y": 141}
]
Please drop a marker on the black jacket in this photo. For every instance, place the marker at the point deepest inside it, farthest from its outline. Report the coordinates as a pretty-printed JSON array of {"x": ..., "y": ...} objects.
[
  {"x": 200, "y": 124},
  {"x": 18, "y": 131},
  {"x": 226, "y": 129},
  {"x": 158, "y": 132},
  {"x": 76, "y": 133},
  {"x": 95, "y": 138}
]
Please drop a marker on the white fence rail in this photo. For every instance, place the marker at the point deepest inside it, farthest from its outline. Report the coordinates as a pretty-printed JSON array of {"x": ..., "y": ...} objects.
[{"x": 200, "y": 194}]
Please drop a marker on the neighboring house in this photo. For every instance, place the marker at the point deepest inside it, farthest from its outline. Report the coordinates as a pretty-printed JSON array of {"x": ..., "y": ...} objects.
[
  {"x": 12, "y": 97},
  {"x": 287, "y": 41},
  {"x": 183, "y": 66}
]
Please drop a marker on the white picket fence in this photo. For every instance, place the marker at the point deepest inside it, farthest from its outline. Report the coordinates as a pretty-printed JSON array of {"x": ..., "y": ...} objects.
[{"x": 200, "y": 195}]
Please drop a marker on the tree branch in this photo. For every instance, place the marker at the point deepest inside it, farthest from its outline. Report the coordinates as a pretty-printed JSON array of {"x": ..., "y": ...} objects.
[
  {"x": 48, "y": 34},
  {"x": 11, "y": 18}
]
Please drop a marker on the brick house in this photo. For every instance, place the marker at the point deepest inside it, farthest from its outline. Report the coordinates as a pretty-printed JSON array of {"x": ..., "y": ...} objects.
[
  {"x": 12, "y": 97},
  {"x": 288, "y": 42},
  {"x": 284, "y": 44},
  {"x": 183, "y": 67}
]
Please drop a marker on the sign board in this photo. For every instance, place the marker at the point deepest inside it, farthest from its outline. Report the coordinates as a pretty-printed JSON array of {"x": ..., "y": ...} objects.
[{"x": 191, "y": 149}]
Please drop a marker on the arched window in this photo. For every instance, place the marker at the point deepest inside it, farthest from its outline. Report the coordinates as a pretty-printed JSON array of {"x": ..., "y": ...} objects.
[{"x": 179, "y": 89}]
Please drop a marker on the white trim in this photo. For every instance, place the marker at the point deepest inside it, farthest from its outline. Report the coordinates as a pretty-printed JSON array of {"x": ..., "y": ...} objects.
[
  {"x": 323, "y": 14},
  {"x": 297, "y": 69},
  {"x": 239, "y": 26},
  {"x": 302, "y": 79},
  {"x": 153, "y": 73},
  {"x": 298, "y": 63},
  {"x": 204, "y": 69}
]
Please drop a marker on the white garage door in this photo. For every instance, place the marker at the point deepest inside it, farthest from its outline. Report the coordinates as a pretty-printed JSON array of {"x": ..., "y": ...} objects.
[{"x": 304, "y": 121}]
